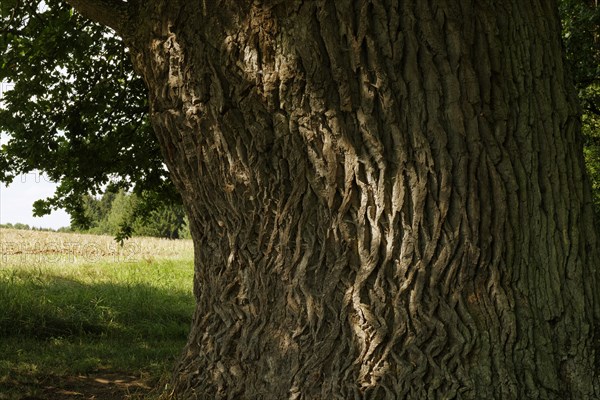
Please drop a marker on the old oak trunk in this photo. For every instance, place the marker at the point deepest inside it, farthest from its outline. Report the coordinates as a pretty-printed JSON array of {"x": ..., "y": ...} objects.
[{"x": 387, "y": 198}]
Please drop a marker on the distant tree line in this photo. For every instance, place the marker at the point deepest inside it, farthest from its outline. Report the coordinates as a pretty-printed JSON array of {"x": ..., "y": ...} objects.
[
  {"x": 123, "y": 214},
  {"x": 27, "y": 227}
]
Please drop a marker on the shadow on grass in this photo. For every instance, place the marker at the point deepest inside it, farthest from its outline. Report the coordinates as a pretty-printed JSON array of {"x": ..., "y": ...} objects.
[
  {"x": 54, "y": 328},
  {"x": 51, "y": 306}
]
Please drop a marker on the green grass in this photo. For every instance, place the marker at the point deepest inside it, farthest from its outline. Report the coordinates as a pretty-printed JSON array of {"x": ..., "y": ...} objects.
[{"x": 65, "y": 320}]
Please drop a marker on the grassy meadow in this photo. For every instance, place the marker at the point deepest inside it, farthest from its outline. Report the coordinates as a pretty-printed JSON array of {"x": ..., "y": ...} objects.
[{"x": 84, "y": 318}]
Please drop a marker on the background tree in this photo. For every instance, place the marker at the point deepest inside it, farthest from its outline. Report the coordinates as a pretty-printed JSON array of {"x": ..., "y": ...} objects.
[
  {"x": 581, "y": 37},
  {"x": 387, "y": 198},
  {"x": 77, "y": 111},
  {"x": 95, "y": 211},
  {"x": 112, "y": 212},
  {"x": 166, "y": 222}
]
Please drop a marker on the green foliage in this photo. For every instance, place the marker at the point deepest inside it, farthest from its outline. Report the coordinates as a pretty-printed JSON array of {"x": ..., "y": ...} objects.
[
  {"x": 124, "y": 215},
  {"x": 166, "y": 222},
  {"x": 18, "y": 225},
  {"x": 77, "y": 111},
  {"x": 591, "y": 129},
  {"x": 581, "y": 37},
  {"x": 26, "y": 227}
]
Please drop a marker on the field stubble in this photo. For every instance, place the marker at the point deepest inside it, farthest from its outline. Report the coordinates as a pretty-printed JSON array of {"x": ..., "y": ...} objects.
[{"x": 39, "y": 248}]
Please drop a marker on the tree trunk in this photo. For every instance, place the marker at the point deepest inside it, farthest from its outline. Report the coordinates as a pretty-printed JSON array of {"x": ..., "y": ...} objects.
[{"x": 387, "y": 199}]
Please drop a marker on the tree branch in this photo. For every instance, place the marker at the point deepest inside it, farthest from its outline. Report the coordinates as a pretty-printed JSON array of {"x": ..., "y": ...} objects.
[{"x": 112, "y": 13}]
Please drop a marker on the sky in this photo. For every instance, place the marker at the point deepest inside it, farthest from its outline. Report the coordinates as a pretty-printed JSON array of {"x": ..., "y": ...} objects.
[
  {"x": 16, "y": 199},
  {"x": 16, "y": 202}
]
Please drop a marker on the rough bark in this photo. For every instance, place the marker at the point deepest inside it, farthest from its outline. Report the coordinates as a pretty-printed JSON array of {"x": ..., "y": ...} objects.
[{"x": 387, "y": 199}]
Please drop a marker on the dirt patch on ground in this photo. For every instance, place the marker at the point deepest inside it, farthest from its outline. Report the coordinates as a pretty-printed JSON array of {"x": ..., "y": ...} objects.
[{"x": 97, "y": 386}]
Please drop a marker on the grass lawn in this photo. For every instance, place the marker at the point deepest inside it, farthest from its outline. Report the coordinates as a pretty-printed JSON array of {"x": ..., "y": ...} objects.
[{"x": 82, "y": 318}]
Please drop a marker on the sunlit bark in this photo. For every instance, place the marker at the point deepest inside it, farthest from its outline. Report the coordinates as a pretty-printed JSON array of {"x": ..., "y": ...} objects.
[{"x": 386, "y": 198}]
